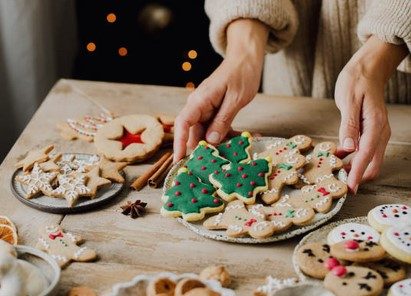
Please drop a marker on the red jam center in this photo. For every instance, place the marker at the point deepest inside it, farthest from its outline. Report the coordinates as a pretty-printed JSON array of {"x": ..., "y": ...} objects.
[{"x": 128, "y": 138}]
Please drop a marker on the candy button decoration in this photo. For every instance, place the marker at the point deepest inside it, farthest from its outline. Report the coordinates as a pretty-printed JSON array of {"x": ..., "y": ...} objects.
[
  {"x": 331, "y": 262},
  {"x": 339, "y": 271},
  {"x": 384, "y": 216},
  {"x": 351, "y": 245}
]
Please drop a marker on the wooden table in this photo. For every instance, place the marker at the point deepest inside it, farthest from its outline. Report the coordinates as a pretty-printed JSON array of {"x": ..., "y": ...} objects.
[{"x": 151, "y": 244}]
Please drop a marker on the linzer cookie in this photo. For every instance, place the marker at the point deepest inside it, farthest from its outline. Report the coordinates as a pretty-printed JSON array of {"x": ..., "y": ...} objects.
[
  {"x": 396, "y": 240},
  {"x": 237, "y": 149},
  {"x": 130, "y": 138},
  {"x": 384, "y": 216},
  {"x": 312, "y": 259},
  {"x": 168, "y": 126},
  {"x": 190, "y": 198},
  {"x": 357, "y": 251},
  {"x": 242, "y": 180},
  {"x": 62, "y": 246},
  {"x": 238, "y": 221},
  {"x": 204, "y": 161},
  {"x": 322, "y": 162},
  {"x": 349, "y": 231},
  {"x": 354, "y": 280}
]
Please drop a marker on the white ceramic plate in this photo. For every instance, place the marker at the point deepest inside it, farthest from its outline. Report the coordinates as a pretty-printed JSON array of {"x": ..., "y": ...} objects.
[
  {"x": 59, "y": 205},
  {"x": 138, "y": 285},
  {"x": 44, "y": 263},
  {"x": 258, "y": 145}
]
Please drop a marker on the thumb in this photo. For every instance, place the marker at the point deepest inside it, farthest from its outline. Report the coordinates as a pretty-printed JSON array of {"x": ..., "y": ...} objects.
[
  {"x": 350, "y": 127},
  {"x": 221, "y": 123}
]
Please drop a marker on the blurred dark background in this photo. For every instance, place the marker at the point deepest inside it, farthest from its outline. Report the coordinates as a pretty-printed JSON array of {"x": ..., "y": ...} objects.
[{"x": 163, "y": 42}]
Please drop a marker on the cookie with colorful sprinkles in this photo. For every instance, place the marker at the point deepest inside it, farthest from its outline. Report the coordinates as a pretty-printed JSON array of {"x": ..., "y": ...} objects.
[
  {"x": 204, "y": 161},
  {"x": 190, "y": 198},
  {"x": 242, "y": 180},
  {"x": 237, "y": 149},
  {"x": 384, "y": 216}
]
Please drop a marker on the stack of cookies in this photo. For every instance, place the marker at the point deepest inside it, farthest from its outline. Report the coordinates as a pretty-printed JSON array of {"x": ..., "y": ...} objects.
[
  {"x": 359, "y": 259},
  {"x": 247, "y": 191}
]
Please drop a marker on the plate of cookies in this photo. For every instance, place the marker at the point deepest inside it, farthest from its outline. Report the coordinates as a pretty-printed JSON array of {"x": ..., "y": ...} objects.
[
  {"x": 360, "y": 256},
  {"x": 256, "y": 190},
  {"x": 66, "y": 182}
]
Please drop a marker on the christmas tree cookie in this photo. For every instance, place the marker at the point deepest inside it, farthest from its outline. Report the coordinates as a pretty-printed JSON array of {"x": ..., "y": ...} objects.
[
  {"x": 238, "y": 221},
  {"x": 322, "y": 162},
  {"x": 284, "y": 173},
  {"x": 242, "y": 180},
  {"x": 237, "y": 149},
  {"x": 190, "y": 198},
  {"x": 204, "y": 161}
]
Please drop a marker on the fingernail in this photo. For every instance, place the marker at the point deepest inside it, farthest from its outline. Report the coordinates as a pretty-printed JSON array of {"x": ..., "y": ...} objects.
[
  {"x": 213, "y": 137},
  {"x": 349, "y": 144}
]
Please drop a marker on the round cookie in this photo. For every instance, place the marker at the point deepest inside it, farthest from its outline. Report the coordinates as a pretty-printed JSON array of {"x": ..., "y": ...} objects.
[
  {"x": 355, "y": 231},
  {"x": 402, "y": 288},
  {"x": 357, "y": 251},
  {"x": 391, "y": 271},
  {"x": 354, "y": 280},
  {"x": 311, "y": 258},
  {"x": 384, "y": 216},
  {"x": 397, "y": 242},
  {"x": 130, "y": 138}
]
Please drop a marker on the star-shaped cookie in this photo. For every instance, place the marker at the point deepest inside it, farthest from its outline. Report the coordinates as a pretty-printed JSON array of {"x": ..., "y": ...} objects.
[
  {"x": 111, "y": 170},
  {"x": 71, "y": 187},
  {"x": 94, "y": 181},
  {"x": 37, "y": 181},
  {"x": 40, "y": 155},
  {"x": 51, "y": 164}
]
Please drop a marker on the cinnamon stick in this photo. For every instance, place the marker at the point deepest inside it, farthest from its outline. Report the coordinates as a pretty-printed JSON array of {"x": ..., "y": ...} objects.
[
  {"x": 158, "y": 177},
  {"x": 141, "y": 181}
]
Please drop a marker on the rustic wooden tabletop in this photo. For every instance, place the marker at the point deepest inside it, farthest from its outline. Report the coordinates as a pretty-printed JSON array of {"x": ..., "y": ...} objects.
[{"x": 128, "y": 247}]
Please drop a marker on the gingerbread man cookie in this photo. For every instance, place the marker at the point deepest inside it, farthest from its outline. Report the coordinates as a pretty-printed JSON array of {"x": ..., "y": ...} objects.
[
  {"x": 242, "y": 180},
  {"x": 349, "y": 231},
  {"x": 62, "y": 246},
  {"x": 284, "y": 173},
  {"x": 354, "y": 280},
  {"x": 322, "y": 162},
  {"x": 190, "y": 198},
  {"x": 384, "y": 216},
  {"x": 237, "y": 149},
  {"x": 238, "y": 221},
  {"x": 37, "y": 181},
  {"x": 396, "y": 240},
  {"x": 357, "y": 251},
  {"x": 204, "y": 161},
  {"x": 319, "y": 196}
]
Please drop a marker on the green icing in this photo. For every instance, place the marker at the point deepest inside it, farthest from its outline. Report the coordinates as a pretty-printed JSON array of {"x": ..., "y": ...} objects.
[
  {"x": 292, "y": 145},
  {"x": 284, "y": 166},
  {"x": 242, "y": 178},
  {"x": 203, "y": 162},
  {"x": 290, "y": 213},
  {"x": 235, "y": 150},
  {"x": 189, "y": 195},
  {"x": 325, "y": 153}
]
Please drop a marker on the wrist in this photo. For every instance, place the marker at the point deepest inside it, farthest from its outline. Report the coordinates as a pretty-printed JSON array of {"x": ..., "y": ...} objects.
[{"x": 377, "y": 59}]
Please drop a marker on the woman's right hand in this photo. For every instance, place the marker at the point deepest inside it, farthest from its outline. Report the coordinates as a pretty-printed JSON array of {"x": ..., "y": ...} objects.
[{"x": 212, "y": 107}]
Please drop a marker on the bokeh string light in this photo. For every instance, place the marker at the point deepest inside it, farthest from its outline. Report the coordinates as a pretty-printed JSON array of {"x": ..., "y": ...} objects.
[
  {"x": 111, "y": 17},
  {"x": 91, "y": 46}
]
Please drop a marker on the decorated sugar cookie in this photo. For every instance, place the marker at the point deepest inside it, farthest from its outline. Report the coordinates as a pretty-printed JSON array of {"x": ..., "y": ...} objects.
[
  {"x": 402, "y": 288},
  {"x": 284, "y": 173},
  {"x": 190, "y": 198},
  {"x": 281, "y": 148},
  {"x": 390, "y": 270},
  {"x": 384, "y": 216},
  {"x": 312, "y": 258},
  {"x": 319, "y": 196},
  {"x": 396, "y": 240},
  {"x": 62, "y": 246},
  {"x": 349, "y": 231},
  {"x": 237, "y": 149},
  {"x": 204, "y": 161},
  {"x": 323, "y": 162},
  {"x": 37, "y": 181},
  {"x": 242, "y": 180},
  {"x": 354, "y": 280},
  {"x": 238, "y": 221},
  {"x": 283, "y": 215},
  {"x": 66, "y": 163},
  {"x": 71, "y": 188},
  {"x": 357, "y": 251}
]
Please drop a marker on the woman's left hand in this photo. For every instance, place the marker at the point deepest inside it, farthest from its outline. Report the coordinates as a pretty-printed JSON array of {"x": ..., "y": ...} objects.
[{"x": 359, "y": 95}]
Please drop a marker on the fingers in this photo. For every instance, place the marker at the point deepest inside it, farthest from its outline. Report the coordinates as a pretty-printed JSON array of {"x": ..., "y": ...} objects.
[
  {"x": 196, "y": 134},
  {"x": 350, "y": 125}
]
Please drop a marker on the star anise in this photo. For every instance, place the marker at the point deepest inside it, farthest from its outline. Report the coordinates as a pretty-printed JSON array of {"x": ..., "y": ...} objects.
[{"x": 134, "y": 209}]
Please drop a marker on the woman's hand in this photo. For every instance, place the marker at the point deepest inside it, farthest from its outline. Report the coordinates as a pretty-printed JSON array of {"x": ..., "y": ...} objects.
[
  {"x": 211, "y": 108},
  {"x": 359, "y": 94}
]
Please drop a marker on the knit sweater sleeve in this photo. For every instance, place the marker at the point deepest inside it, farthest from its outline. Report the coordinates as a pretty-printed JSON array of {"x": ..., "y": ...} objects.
[
  {"x": 390, "y": 21},
  {"x": 279, "y": 15}
]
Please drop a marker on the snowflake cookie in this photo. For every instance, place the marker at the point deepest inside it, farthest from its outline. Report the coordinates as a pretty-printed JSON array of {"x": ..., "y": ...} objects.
[
  {"x": 71, "y": 188},
  {"x": 37, "y": 181}
]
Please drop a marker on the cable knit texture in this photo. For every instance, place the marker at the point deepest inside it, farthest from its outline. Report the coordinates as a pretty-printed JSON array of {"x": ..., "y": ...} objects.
[{"x": 309, "y": 57}]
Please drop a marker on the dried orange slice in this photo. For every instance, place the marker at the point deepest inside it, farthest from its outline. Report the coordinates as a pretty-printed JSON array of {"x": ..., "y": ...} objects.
[
  {"x": 8, "y": 234},
  {"x": 6, "y": 221}
]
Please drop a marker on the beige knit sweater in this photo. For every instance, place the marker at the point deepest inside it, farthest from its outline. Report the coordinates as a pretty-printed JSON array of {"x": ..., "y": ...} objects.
[{"x": 311, "y": 40}]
